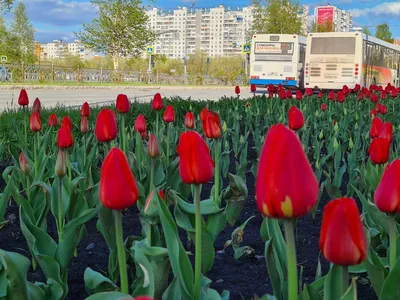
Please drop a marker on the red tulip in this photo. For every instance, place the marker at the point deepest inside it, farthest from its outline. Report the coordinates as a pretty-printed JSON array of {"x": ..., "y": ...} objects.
[
  {"x": 286, "y": 186},
  {"x": 383, "y": 109},
  {"x": 85, "y": 110},
  {"x": 195, "y": 163},
  {"x": 282, "y": 94},
  {"x": 342, "y": 239},
  {"x": 189, "y": 120},
  {"x": 106, "y": 126},
  {"x": 140, "y": 124},
  {"x": 23, "y": 98},
  {"x": 123, "y": 105},
  {"x": 387, "y": 194},
  {"x": 309, "y": 92},
  {"x": 237, "y": 90},
  {"x": 383, "y": 95},
  {"x": 320, "y": 94},
  {"x": 52, "y": 120},
  {"x": 152, "y": 147},
  {"x": 37, "y": 106},
  {"x": 23, "y": 164},
  {"x": 289, "y": 94},
  {"x": 34, "y": 123},
  {"x": 212, "y": 125},
  {"x": 253, "y": 88},
  {"x": 376, "y": 127},
  {"x": 360, "y": 96},
  {"x": 299, "y": 96},
  {"x": 379, "y": 151},
  {"x": 367, "y": 93},
  {"x": 331, "y": 96},
  {"x": 270, "y": 94},
  {"x": 143, "y": 134},
  {"x": 373, "y": 113},
  {"x": 271, "y": 88},
  {"x": 394, "y": 93},
  {"x": 356, "y": 88},
  {"x": 84, "y": 125},
  {"x": 340, "y": 97},
  {"x": 157, "y": 103},
  {"x": 118, "y": 189},
  {"x": 323, "y": 107},
  {"x": 374, "y": 98},
  {"x": 387, "y": 131},
  {"x": 203, "y": 114},
  {"x": 169, "y": 115},
  {"x": 64, "y": 137},
  {"x": 66, "y": 121},
  {"x": 296, "y": 119},
  {"x": 345, "y": 90}
]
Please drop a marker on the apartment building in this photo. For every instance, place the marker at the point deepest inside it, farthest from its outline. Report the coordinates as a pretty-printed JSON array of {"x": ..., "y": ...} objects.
[
  {"x": 341, "y": 20},
  {"x": 60, "y": 49},
  {"x": 217, "y": 31}
]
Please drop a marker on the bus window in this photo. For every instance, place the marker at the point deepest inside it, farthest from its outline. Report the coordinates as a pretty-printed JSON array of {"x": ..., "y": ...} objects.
[
  {"x": 302, "y": 56},
  {"x": 333, "y": 45}
]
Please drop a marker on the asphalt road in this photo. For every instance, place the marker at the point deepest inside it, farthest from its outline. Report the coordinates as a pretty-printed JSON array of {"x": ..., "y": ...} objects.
[{"x": 53, "y": 96}]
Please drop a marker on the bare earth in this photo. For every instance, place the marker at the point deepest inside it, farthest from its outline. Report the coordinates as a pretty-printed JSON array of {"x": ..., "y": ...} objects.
[{"x": 51, "y": 96}]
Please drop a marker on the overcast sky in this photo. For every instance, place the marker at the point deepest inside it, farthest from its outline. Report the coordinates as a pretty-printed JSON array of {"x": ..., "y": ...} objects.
[{"x": 59, "y": 19}]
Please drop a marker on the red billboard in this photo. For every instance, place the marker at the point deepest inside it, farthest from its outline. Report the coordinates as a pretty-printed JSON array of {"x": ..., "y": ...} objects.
[{"x": 325, "y": 15}]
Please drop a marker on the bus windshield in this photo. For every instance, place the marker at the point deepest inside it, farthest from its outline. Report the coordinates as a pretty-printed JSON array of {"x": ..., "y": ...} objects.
[{"x": 333, "y": 45}]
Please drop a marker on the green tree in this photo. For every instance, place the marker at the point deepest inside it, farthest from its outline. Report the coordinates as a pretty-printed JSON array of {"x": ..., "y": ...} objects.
[
  {"x": 5, "y": 5},
  {"x": 23, "y": 32},
  {"x": 120, "y": 30},
  {"x": 327, "y": 27},
  {"x": 276, "y": 16},
  {"x": 383, "y": 32},
  {"x": 366, "y": 30}
]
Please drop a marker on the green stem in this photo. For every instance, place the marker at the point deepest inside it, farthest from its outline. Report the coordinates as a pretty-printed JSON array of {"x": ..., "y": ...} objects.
[
  {"x": 217, "y": 172},
  {"x": 123, "y": 137},
  {"x": 291, "y": 256},
  {"x": 60, "y": 214},
  {"x": 35, "y": 146},
  {"x": 138, "y": 148},
  {"x": 34, "y": 263},
  {"x": 152, "y": 176},
  {"x": 198, "y": 243},
  {"x": 69, "y": 165},
  {"x": 168, "y": 138},
  {"x": 157, "y": 124},
  {"x": 28, "y": 185},
  {"x": 121, "y": 252},
  {"x": 392, "y": 240},
  {"x": 345, "y": 279},
  {"x": 26, "y": 127},
  {"x": 149, "y": 234},
  {"x": 84, "y": 151}
]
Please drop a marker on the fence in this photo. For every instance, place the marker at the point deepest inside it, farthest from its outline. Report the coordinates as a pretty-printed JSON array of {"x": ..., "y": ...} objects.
[{"x": 17, "y": 73}]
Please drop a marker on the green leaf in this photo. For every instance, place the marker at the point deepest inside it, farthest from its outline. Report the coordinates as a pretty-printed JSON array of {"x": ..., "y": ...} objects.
[
  {"x": 274, "y": 269},
  {"x": 97, "y": 283},
  {"x": 235, "y": 197},
  {"x": 207, "y": 207},
  {"x": 173, "y": 291},
  {"x": 215, "y": 224},
  {"x": 351, "y": 293},
  {"x": 391, "y": 286}
]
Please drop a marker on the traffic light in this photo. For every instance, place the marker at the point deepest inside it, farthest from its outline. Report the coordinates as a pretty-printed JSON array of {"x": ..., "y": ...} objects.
[{"x": 152, "y": 61}]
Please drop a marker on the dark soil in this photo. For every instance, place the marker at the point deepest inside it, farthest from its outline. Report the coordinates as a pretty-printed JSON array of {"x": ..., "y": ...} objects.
[{"x": 244, "y": 278}]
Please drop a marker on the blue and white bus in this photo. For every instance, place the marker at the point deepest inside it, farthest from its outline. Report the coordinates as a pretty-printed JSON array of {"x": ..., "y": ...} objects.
[{"x": 277, "y": 59}]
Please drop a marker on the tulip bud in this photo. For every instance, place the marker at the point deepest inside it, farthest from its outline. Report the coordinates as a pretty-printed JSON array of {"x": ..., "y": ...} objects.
[
  {"x": 23, "y": 164},
  {"x": 316, "y": 113},
  {"x": 356, "y": 126},
  {"x": 351, "y": 144},
  {"x": 224, "y": 127},
  {"x": 336, "y": 128},
  {"x": 345, "y": 111},
  {"x": 366, "y": 136},
  {"x": 226, "y": 145},
  {"x": 335, "y": 144},
  {"x": 152, "y": 147},
  {"x": 321, "y": 135},
  {"x": 61, "y": 164},
  {"x": 241, "y": 140},
  {"x": 357, "y": 116},
  {"x": 317, "y": 164}
]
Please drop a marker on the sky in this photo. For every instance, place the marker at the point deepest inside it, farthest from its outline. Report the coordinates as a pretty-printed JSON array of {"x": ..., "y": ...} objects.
[{"x": 59, "y": 19}]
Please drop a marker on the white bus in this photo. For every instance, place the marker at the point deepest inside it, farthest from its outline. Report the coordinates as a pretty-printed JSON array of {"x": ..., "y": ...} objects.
[
  {"x": 277, "y": 59},
  {"x": 335, "y": 59}
]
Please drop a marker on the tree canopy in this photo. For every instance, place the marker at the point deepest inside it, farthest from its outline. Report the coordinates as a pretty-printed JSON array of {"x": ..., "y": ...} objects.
[
  {"x": 277, "y": 16},
  {"x": 383, "y": 32},
  {"x": 120, "y": 30}
]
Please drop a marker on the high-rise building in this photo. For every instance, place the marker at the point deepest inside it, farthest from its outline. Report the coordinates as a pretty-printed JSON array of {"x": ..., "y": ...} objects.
[
  {"x": 216, "y": 31},
  {"x": 60, "y": 49},
  {"x": 341, "y": 20}
]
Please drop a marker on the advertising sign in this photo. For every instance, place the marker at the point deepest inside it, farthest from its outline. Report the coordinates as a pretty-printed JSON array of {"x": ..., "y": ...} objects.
[{"x": 325, "y": 15}]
